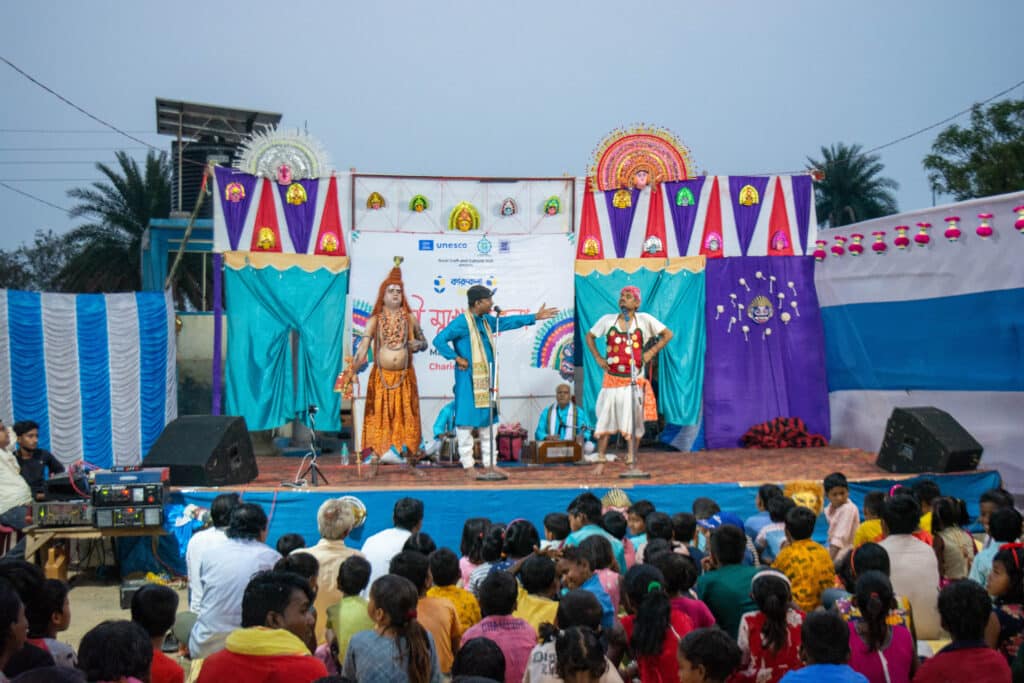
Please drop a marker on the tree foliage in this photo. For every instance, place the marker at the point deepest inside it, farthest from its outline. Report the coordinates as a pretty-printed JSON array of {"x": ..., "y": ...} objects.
[
  {"x": 36, "y": 266},
  {"x": 853, "y": 188},
  {"x": 983, "y": 159}
]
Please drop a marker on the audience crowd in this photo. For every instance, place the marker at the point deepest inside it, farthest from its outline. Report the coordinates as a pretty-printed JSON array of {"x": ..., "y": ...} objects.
[{"x": 606, "y": 591}]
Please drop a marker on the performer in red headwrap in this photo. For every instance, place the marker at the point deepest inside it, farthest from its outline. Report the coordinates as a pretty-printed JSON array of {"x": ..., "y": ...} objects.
[
  {"x": 625, "y": 335},
  {"x": 392, "y": 416}
]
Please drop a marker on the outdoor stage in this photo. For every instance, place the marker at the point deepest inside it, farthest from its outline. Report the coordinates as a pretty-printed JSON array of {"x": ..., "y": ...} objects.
[{"x": 729, "y": 476}]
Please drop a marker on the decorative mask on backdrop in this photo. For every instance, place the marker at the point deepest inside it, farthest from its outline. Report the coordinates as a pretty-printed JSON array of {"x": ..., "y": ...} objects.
[
  {"x": 552, "y": 206},
  {"x": 508, "y": 207},
  {"x": 234, "y": 193},
  {"x": 419, "y": 204},
  {"x": 375, "y": 201}
]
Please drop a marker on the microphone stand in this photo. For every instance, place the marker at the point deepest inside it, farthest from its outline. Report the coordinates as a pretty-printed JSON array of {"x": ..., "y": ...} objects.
[
  {"x": 632, "y": 471},
  {"x": 491, "y": 472},
  {"x": 314, "y": 453}
]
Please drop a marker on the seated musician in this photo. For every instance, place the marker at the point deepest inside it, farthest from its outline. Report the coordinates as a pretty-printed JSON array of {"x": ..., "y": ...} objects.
[{"x": 564, "y": 421}]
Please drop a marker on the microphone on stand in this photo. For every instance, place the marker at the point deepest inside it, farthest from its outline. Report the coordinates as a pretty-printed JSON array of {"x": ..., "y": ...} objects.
[{"x": 497, "y": 310}]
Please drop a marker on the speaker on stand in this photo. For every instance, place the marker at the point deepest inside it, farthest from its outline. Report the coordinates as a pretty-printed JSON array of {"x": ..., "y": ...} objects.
[
  {"x": 927, "y": 440},
  {"x": 205, "y": 450}
]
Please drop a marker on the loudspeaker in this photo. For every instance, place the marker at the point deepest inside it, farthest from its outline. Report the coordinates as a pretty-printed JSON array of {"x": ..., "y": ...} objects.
[
  {"x": 927, "y": 440},
  {"x": 205, "y": 450}
]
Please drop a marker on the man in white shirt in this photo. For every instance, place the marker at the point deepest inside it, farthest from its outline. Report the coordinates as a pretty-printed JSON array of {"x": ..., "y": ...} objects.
[
  {"x": 208, "y": 541},
  {"x": 626, "y": 398},
  {"x": 383, "y": 545},
  {"x": 15, "y": 493},
  {"x": 224, "y": 573},
  {"x": 913, "y": 567}
]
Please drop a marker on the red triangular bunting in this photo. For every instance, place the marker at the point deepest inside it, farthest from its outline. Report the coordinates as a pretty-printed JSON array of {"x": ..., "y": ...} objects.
[
  {"x": 266, "y": 235},
  {"x": 589, "y": 244},
  {"x": 654, "y": 241},
  {"x": 711, "y": 240},
  {"x": 780, "y": 239},
  {"x": 330, "y": 241}
]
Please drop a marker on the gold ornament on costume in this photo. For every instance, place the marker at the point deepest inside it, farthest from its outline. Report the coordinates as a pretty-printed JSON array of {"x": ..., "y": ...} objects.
[
  {"x": 464, "y": 217},
  {"x": 639, "y": 156},
  {"x": 805, "y": 493},
  {"x": 622, "y": 199},
  {"x": 266, "y": 240},
  {"x": 591, "y": 247},
  {"x": 375, "y": 201},
  {"x": 296, "y": 194},
  {"x": 749, "y": 196}
]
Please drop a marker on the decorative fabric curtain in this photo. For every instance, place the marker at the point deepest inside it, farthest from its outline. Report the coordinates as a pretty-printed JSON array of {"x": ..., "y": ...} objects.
[
  {"x": 299, "y": 211},
  {"x": 766, "y": 347},
  {"x": 96, "y": 371},
  {"x": 802, "y": 198},
  {"x": 683, "y": 210},
  {"x": 672, "y": 290},
  {"x": 746, "y": 214},
  {"x": 621, "y": 219},
  {"x": 234, "y": 199},
  {"x": 270, "y": 296}
]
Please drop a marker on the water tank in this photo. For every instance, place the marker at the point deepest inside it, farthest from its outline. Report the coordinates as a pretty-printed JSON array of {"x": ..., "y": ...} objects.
[{"x": 195, "y": 156}]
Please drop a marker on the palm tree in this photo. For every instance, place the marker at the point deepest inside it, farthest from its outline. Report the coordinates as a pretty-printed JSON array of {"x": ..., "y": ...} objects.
[
  {"x": 107, "y": 249},
  {"x": 853, "y": 188}
]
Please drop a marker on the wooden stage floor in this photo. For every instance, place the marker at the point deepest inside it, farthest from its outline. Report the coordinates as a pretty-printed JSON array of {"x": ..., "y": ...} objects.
[{"x": 701, "y": 467}]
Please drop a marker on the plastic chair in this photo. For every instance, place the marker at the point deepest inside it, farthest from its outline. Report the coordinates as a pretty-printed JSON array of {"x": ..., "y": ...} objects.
[{"x": 7, "y": 535}]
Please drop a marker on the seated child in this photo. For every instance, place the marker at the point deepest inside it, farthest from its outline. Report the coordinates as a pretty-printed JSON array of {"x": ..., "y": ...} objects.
[
  {"x": 473, "y": 530},
  {"x": 707, "y": 655},
  {"x": 599, "y": 552},
  {"x": 636, "y": 519},
  {"x": 842, "y": 517},
  {"x": 772, "y": 536},
  {"x": 870, "y": 530},
  {"x": 444, "y": 575},
  {"x": 479, "y": 658},
  {"x": 770, "y": 637},
  {"x": 659, "y": 525},
  {"x": 725, "y": 584},
  {"x": 576, "y": 608},
  {"x": 490, "y": 553},
  {"x": 1004, "y": 526},
  {"x": 954, "y": 547},
  {"x": 556, "y": 530},
  {"x": 755, "y": 523},
  {"x": 349, "y": 616},
  {"x": 927, "y": 491},
  {"x": 1005, "y": 633},
  {"x": 575, "y": 571},
  {"x": 154, "y": 608},
  {"x": 303, "y": 564},
  {"x": 580, "y": 656},
  {"x": 614, "y": 522},
  {"x": 702, "y": 509},
  {"x": 680, "y": 574},
  {"x": 289, "y": 542},
  {"x": 989, "y": 502},
  {"x": 880, "y": 650},
  {"x": 437, "y": 615},
  {"x": 514, "y": 636},
  {"x": 964, "y": 608},
  {"x": 539, "y": 587},
  {"x": 54, "y": 617},
  {"x": 420, "y": 542},
  {"x": 806, "y": 563},
  {"x": 825, "y": 651},
  {"x": 684, "y": 530}
]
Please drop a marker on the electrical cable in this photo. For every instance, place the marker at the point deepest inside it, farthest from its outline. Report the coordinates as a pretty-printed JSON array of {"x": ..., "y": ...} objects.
[{"x": 33, "y": 197}]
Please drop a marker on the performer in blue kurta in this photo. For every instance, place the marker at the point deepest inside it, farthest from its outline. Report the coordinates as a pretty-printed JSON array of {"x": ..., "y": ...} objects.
[
  {"x": 468, "y": 340},
  {"x": 563, "y": 421}
]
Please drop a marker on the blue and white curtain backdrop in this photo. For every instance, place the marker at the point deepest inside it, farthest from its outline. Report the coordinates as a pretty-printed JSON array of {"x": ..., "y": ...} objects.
[{"x": 96, "y": 371}]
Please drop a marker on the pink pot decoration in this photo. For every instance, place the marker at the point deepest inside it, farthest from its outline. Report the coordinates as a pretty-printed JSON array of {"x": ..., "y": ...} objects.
[
  {"x": 922, "y": 237},
  {"x": 1019, "y": 223},
  {"x": 952, "y": 231},
  {"x": 856, "y": 248},
  {"x": 984, "y": 230},
  {"x": 838, "y": 249},
  {"x": 819, "y": 250},
  {"x": 901, "y": 241},
  {"x": 879, "y": 246}
]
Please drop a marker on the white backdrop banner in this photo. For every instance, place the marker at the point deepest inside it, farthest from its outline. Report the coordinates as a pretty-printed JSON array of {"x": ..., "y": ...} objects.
[{"x": 524, "y": 270}]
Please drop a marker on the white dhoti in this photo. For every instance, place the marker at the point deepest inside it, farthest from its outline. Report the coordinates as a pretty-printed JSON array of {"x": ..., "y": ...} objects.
[
  {"x": 616, "y": 412},
  {"x": 464, "y": 435}
]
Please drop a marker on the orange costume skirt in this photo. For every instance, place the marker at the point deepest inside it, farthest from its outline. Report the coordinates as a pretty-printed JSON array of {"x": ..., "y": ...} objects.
[{"x": 392, "y": 416}]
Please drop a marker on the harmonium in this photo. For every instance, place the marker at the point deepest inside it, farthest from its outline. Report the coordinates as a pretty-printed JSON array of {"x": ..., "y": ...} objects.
[{"x": 558, "y": 451}]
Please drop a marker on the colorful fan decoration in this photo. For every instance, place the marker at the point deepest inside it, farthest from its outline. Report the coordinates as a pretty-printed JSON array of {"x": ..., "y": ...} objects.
[
  {"x": 284, "y": 156},
  {"x": 635, "y": 157}
]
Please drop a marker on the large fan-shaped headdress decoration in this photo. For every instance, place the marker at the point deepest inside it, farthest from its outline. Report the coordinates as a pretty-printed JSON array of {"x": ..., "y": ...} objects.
[
  {"x": 283, "y": 155},
  {"x": 634, "y": 157}
]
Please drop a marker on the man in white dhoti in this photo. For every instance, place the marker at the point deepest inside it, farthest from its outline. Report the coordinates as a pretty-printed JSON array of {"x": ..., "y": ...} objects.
[{"x": 626, "y": 398}]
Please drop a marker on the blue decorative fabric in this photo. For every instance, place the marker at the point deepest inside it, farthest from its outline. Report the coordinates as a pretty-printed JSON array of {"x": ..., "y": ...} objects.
[
  {"x": 28, "y": 379},
  {"x": 152, "y": 368},
  {"x": 94, "y": 379}
]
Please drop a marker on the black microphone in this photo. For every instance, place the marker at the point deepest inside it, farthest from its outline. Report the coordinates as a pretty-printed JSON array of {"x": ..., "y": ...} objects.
[{"x": 497, "y": 310}]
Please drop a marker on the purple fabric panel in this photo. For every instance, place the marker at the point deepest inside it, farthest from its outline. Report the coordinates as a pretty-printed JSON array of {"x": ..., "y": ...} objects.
[
  {"x": 747, "y": 382},
  {"x": 802, "y": 198},
  {"x": 300, "y": 217},
  {"x": 746, "y": 216},
  {"x": 218, "y": 322},
  {"x": 621, "y": 219},
  {"x": 683, "y": 217},
  {"x": 234, "y": 212}
]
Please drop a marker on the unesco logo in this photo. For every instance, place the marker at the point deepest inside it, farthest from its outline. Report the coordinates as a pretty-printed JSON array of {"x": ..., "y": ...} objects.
[{"x": 484, "y": 246}]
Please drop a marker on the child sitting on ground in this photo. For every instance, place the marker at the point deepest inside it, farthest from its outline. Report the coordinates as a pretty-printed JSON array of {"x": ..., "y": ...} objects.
[
  {"x": 880, "y": 651},
  {"x": 303, "y": 564},
  {"x": 927, "y": 492},
  {"x": 576, "y": 608},
  {"x": 680, "y": 574},
  {"x": 490, "y": 553},
  {"x": 770, "y": 637},
  {"x": 825, "y": 651},
  {"x": 725, "y": 584},
  {"x": 444, "y": 575},
  {"x": 289, "y": 542},
  {"x": 684, "y": 530},
  {"x": 437, "y": 615},
  {"x": 842, "y": 517},
  {"x": 707, "y": 655},
  {"x": 636, "y": 520},
  {"x": 580, "y": 656},
  {"x": 473, "y": 530},
  {"x": 514, "y": 636},
  {"x": 870, "y": 530},
  {"x": 575, "y": 571},
  {"x": 154, "y": 608},
  {"x": 53, "y": 617},
  {"x": 772, "y": 536},
  {"x": 1005, "y": 633},
  {"x": 614, "y": 522},
  {"x": 989, "y": 502},
  {"x": 349, "y": 616},
  {"x": 806, "y": 563},
  {"x": 1004, "y": 526},
  {"x": 702, "y": 509},
  {"x": 556, "y": 530},
  {"x": 599, "y": 551},
  {"x": 538, "y": 587},
  {"x": 753, "y": 525},
  {"x": 954, "y": 547}
]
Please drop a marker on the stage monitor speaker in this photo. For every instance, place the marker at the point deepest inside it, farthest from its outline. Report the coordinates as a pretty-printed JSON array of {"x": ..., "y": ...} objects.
[
  {"x": 927, "y": 440},
  {"x": 205, "y": 450}
]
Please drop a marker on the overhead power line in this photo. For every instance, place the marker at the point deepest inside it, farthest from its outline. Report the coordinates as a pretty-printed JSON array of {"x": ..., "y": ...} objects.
[
  {"x": 70, "y": 149},
  {"x": 34, "y": 198},
  {"x": 69, "y": 131}
]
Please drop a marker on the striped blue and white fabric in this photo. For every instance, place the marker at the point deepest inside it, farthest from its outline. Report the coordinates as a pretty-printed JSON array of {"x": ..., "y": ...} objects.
[
  {"x": 96, "y": 371},
  {"x": 940, "y": 325}
]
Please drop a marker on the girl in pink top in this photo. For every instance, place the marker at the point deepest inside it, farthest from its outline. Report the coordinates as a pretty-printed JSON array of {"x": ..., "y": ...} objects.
[
  {"x": 882, "y": 652},
  {"x": 602, "y": 559},
  {"x": 472, "y": 541}
]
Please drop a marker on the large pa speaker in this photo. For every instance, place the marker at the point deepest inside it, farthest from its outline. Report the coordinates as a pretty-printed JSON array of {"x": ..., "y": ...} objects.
[
  {"x": 927, "y": 440},
  {"x": 205, "y": 450}
]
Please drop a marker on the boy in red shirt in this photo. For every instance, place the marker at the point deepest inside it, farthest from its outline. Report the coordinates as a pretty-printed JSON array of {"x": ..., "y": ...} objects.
[{"x": 153, "y": 608}]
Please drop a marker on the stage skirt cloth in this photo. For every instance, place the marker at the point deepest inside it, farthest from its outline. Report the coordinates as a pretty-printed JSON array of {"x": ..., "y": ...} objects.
[
  {"x": 392, "y": 416},
  {"x": 614, "y": 410}
]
